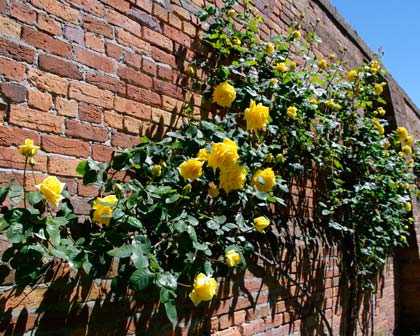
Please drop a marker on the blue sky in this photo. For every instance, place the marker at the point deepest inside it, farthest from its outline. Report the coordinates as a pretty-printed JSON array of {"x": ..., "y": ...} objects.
[{"x": 394, "y": 27}]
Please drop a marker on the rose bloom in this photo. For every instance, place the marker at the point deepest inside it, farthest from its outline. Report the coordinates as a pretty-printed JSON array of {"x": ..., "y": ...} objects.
[
  {"x": 406, "y": 149},
  {"x": 379, "y": 88},
  {"x": 296, "y": 34},
  {"x": 223, "y": 154},
  {"x": 407, "y": 141},
  {"x": 268, "y": 177},
  {"x": 204, "y": 289},
  {"x": 261, "y": 223},
  {"x": 407, "y": 206},
  {"x": 51, "y": 188},
  {"x": 191, "y": 169},
  {"x": 203, "y": 155},
  {"x": 402, "y": 132},
  {"x": 103, "y": 209},
  {"x": 291, "y": 112},
  {"x": 28, "y": 149},
  {"x": 256, "y": 116},
  {"x": 270, "y": 48},
  {"x": 232, "y": 178},
  {"x": 351, "y": 75},
  {"x": 232, "y": 258},
  {"x": 224, "y": 94},
  {"x": 281, "y": 67},
  {"x": 322, "y": 64},
  {"x": 381, "y": 111},
  {"x": 213, "y": 191},
  {"x": 374, "y": 67}
]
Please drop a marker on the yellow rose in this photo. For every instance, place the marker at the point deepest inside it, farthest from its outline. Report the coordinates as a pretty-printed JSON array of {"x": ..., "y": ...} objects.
[
  {"x": 191, "y": 169},
  {"x": 236, "y": 41},
  {"x": 28, "y": 149},
  {"x": 103, "y": 209},
  {"x": 407, "y": 141},
  {"x": 374, "y": 67},
  {"x": 292, "y": 112},
  {"x": 380, "y": 129},
  {"x": 387, "y": 145},
  {"x": 261, "y": 223},
  {"x": 270, "y": 48},
  {"x": 256, "y": 116},
  {"x": 407, "y": 206},
  {"x": 314, "y": 101},
  {"x": 51, "y": 188},
  {"x": 223, "y": 154},
  {"x": 157, "y": 170},
  {"x": 268, "y": 179},
  {"x": 204, "y": 289},
  {"x": 281, "y": 67},
  {"x": 232, "y": 178},
  {"x": 213, "y": 191},
  {"x": 202, "y": 154},
  {"x": 232, "y": 258},
  {"x": 322, "y": 64},
  {"x": 224, "y": 94},
  {"x": 402, "y": 132},
  {"x": 381, "y": 111},
  {"x": 351, "y": 75},
  {"x": 379, "y": 88},
  {"x": 296, "y": 34},
  {"x": 406, "y": 149}
]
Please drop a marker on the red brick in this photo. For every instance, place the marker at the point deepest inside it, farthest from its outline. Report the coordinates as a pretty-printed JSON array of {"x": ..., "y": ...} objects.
[
  {"x": 167, "y": 88},
  {"x": 22, "y": 12},
  {"x": 94, "y": 42},
  {"x": 129, "y": 40},
  {"x": 90, "y": 6},
  {"x": 124, "y": 140},
  {"x": 45, "y": 42},
  {"x": 157, "y": 39},
  {"x": 59, "y": 67},
  {"x": 166, "y": 118},
  {"x": 95, "y": 25},
  {"x": 10, "y": 27},
  {"x": 95, "y": 61},
  {"x": 143, "y": 95},
  {"x": 66, "y": 107},
  {"x": 3, "y": 6},
  {"x": 57, "y": 8},
  {"x": 125, "y": 22},
  {"x": 189, "y": 29},
  {"x": 160, "y": 12},
  {"x": 120, "y": 5},
  {"x": 34, "y": 119},
  {"x": 113, "y": 119},
  {"x": 164, "y": 57},
  {"x": 15, "y": 51},
  {"x": 135, "y": 126},
  {"x": 106, "y": 83},
  {"x": 48, "y": 24},
  {"x": 39, "y": 100},
  {"x": 135, "y": 77},
  {"x": 90, "y": 114},
  {"x": 61, "y": 166},
  {"x": 149, "y": 66},
  {"x": 132, "y": 108},
  {"x": 48, "y": 82},
  {"x": 74, "y": 35},
  {"x": 133, "y": 59},
  {"x": 164, "y": 71},
  {"x": 84, "y": 131},
  {"x": 112, "y": 50},
  {"x": 176, "y": 35},
  {"x": 14, "y": 92},
  {"x": 90, "y": 94},
  {"x": 102, "y": 153},
  {"x": 146, "y": 5},
  {"x": 11, "y": 69},
  {"x": 11, "y": 158},
  {"x": 61, "y": 145},
  {"x": 13, "y": 136},
  {"x": 89, "y": 191}
]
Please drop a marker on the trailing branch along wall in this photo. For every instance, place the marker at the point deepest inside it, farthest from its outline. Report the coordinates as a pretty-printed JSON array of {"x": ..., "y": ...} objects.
[{"x": 84, "y": 79}]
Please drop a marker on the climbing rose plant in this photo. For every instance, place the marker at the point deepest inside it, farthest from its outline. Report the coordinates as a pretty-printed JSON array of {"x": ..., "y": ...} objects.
[{"x": 181, "y": 211}]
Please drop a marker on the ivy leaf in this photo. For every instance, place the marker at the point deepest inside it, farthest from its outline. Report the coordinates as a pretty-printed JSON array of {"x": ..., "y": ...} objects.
[
  {"x": 166, "y": 280},
  {"x": 140, "y": 279},
  {"x": 54, "y": 233},
  {"x": 5, "y": 190},
  {"x": 124, "y": 251},
  {"x": 171, "y": 313},
  {"x": 15, "y": 233}
]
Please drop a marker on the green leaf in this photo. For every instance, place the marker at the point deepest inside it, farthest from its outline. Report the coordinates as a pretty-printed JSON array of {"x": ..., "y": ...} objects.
[
  {"x": 171, "y": 313},
  {"x": 134, "y": 222},
  {"x": 124, "y": 251},
  {"x": 54, "y": 233},
  {"x": 140, "y": 279},
  {"x": 172, "y": 199},
  {"x": 166, "y": 280},
  {"x": 5, "y": 190},
  {"x": 81, "y": 167},
  {"x": 15, "y": 233},
  {"x": 35, "y": 197}
]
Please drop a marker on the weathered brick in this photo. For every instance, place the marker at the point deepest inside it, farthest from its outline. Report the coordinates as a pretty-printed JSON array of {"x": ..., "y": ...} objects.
[
  {"x": 90, "y": 94},
  {"x": 9, "y": 27},
  {"x": 133, "y": 59},
  {"x": 90, "y": 6},
  {"x": 157, "y": 39},
  {"x": 45, "y": 42},
  {"x": 49, "y": 24},
  {"x": 123, "y": 140},
  {"x": 95, "y": 25},
  {"x": 88, "y": 191},
  {"x": 123, "y": 21},
  {"x": 17, "y": 52},
  {"x": 165, "y": 118},
  {"x": 132, "y": 108},
  {"x": 120, "y": 5},
  {"x": 149, "y": 65},
  {"x": 113, "y": 119},
  {"x": 175, "y": 21},
  {"x": 143, "y": 95},
  {"x": 144, "y": 19},
  {"x": 12, "y": 70},
  {"x": 102, "y": 153},
  {"x": 94, "y": 42},
  {"x": 62, "y": 145},
  {"x": 164, "y": 57},
  {"x": 164, "y": 71},
  {"x": 11, "y": 158},
  {"x": 145, "y": 5},
  {"x": 13, "y": 136},
  {"x": 160, "y": 12},
  {"x": 106, "y": 82},
  {"x": 135, "y": 77},
  {"x": 22, "y": 12},
  {"x": 66, "y": 107},
  {"x": 189, "y": 29},
  {"x": 39, "y": 100},
  {"x": 90, "y": 114},
  {"x": 77, "y": 129},
  {"x": 46, "y": 81},
  {"x": 95, "y": 61},
  {"x": 14, "y": 92},
  {"x": 59, "y": 66},
  {"x": 3, "y": 6},
  {"x": 74, "y": 35},
  {"x": 57, "y": 8},
  {"x": 175, "y": 35},
  {"x": 113, "y": 50},
  {"x": 167, "y": 88},
  {"x": 35, "y": 119},
  {"x": 133, "y": 125},
  {"x": 61, "y": 166},
  {"x": 129, "y": 40}
]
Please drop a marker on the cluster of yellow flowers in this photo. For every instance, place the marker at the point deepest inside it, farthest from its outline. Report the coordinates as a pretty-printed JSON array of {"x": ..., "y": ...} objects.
[
  {"x": 405, "y": 140},
  {"x": 376, "y": 122}
]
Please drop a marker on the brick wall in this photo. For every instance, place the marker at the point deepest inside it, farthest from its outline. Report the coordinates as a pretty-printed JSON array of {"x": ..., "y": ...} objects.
[{"x": 84, "y": 78}]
